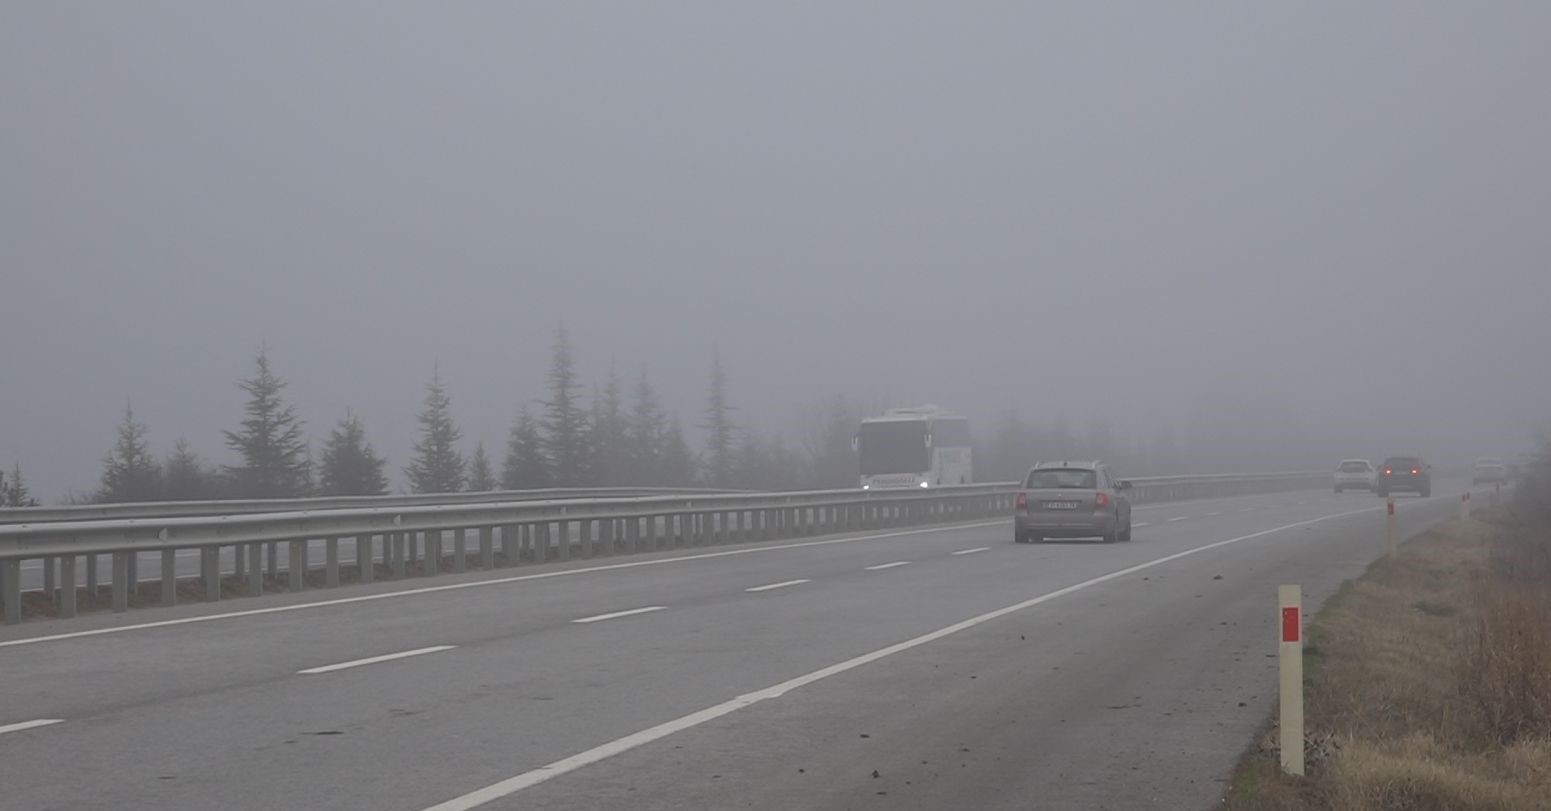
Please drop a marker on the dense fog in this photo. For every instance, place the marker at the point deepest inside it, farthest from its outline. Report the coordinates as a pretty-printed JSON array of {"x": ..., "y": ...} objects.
[{"x": 1184, "y": 238}]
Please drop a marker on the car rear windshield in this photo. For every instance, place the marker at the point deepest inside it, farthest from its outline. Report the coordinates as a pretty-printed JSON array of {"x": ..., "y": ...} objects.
[
  {"x": 1403, "y": 461},
  {"x": 1354, "y": 467},
  {"x": 1061, "y": 478}
]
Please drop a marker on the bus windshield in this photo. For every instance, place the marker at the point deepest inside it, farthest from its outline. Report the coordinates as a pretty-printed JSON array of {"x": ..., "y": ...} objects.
[{"x": 893, "y": 447}]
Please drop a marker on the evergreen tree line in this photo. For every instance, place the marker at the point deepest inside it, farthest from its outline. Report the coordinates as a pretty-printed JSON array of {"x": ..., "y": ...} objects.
[
  {"x": 568, "y": 439},
  {"x": 13, "y": 490}
]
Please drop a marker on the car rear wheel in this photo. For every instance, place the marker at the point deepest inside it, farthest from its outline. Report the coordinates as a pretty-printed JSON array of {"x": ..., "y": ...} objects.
[{"x": 1125, "y": 537}]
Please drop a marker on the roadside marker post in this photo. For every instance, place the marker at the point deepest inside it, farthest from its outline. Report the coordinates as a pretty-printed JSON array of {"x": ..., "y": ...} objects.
[
  {"x": 1291, "y": 656},
  {"x": 1389, "y": 528},
  {"x": 1464, "y": 506}
]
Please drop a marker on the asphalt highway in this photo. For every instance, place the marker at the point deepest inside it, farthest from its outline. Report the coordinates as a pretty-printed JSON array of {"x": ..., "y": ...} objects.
[{"x": 942, "y": 667}]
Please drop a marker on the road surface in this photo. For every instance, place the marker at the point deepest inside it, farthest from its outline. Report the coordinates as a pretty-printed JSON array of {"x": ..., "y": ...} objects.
[{"x": 942, "y": 667}]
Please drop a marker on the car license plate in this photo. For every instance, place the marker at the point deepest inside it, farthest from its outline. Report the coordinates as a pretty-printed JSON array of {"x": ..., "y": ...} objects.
[{"x": 1060, "y": 505}]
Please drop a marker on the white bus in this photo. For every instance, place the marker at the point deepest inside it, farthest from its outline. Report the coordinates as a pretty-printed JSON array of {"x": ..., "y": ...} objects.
[{"x": 914, "y": 447}]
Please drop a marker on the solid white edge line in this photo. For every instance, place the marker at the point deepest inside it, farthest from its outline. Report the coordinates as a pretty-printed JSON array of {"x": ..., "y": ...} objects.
[
  {"x": 1213, "y": 515},
  {"x": 887, "y": 565},
  {"x": 41, "y": 722},
  {"x": 1180, "y": 518},
  {"x": 1139, "y": 525},
  {"x": 973, "y": 551},
  {"x": 618, "y": 614},
  {"x": 772, "y": 586},
  {"x": 531, "y": 778},
  {"x": 495, "y": 581},
  {"x": 372, "y": 660}
]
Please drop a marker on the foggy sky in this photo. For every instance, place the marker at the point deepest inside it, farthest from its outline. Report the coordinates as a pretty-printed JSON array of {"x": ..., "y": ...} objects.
[{"x": 1111, "y": 210}]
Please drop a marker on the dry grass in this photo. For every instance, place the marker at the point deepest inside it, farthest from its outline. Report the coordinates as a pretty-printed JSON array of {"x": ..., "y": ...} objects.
[{"x": 1428, "y": 682}]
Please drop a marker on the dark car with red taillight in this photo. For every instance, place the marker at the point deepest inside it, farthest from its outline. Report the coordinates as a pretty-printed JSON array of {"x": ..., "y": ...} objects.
[{"x": 1409, "y": 474}]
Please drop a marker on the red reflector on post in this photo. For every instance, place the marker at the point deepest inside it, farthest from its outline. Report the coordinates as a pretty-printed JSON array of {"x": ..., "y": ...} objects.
[
  {"x": 1291, "y": 627},
  {"x": 1391, "y": 508}
]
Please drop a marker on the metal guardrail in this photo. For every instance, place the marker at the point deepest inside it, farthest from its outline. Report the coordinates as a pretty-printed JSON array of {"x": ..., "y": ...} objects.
[
  {"x": 214, "y": 507},
  {"x": 389, "y": 539}
]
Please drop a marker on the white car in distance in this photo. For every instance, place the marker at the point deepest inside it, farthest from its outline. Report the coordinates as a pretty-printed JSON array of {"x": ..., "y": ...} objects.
[{"x": 1355, "y": 474}]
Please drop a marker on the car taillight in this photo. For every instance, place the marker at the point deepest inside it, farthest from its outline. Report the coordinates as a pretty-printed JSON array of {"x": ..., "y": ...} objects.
[
  {"x": 1022, "y": 502},
  {"x": 1100, "y": 501},
  {"x": 1413, "y": 471},
  {"x": 1388, "y": 472}
]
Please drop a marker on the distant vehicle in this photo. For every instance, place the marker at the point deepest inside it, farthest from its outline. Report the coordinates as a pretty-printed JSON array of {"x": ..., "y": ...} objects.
[
  {"x": 1355, "y": 474},
  {"x": 914, "y": 447},
  {"x": 1489, "y": 471},
  {"x": 1072, "y": 500},
  {"x": 1409, "y": 473}
]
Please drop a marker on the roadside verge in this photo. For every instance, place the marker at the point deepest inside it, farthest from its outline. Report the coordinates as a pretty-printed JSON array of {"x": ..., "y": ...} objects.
[{"x": 1427, "y": 681}]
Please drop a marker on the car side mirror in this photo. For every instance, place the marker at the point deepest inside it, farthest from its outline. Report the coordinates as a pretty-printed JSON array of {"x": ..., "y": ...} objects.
[{"x": 1124, "y": 485}]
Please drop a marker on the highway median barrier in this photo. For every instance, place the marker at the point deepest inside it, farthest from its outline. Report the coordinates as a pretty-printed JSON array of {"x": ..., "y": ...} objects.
[{"x": 250, "y": 550}]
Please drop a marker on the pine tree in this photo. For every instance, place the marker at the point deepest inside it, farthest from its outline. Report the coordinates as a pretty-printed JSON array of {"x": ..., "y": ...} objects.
[
  {"x": 129, "y": 472},
  {"x": 351, "y": 467},
  {"x": 271, "y": 443},
  {"x": 438, "y": 466},
  {"x": 184, "y": 476},
  {"x": 481, "y": 480},
  {"x": 15, "y": 493},
  {"x": 610, "y": 462},
  {"x": 645, "y": 429},
  {"x": 676, "y": 466},
  {"x": 526, "y": 467},
  {"x": 721, "y": 433},
  {"x": 565, "y": 421}
]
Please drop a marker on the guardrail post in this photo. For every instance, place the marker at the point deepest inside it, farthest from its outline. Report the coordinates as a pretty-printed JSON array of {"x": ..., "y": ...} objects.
[
  {"x": 210, "y": 571},
  {"x": 169, "y": 577},
  {"x": 294, "y": 565},
  {"x": 460, "y": 550},
  {"x": 563, "y": 533},
  {"x": 487, "y": 547},
  {"x": 132, "y": 579},
  {"x": 400, "y": 548},
  {"x": 48, "y": 580},
  {"x": 331, "y": 563},
  {"x": 584, "y": 534},
  {"x": 240, "y": 552},
  {"x": 11, "y": 590},
  {"x": 273, "y": 549},
  {"x": 255, "y": 569},
  {"x": 433, "y": 552},
  {"x": 365, "y": 557},
  {"x": 412, "y": 543},
  {"x": 121, "y": 581},
  {"x": 67, "y": 586},
  {"x": 92, "y": 583}
]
